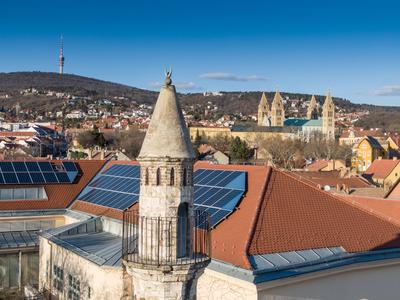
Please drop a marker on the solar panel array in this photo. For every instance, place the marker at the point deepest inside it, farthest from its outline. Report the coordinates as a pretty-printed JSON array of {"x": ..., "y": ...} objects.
[
  {"x": 118, "y": 187},
  {"x": 37, "y": 172},
  {"x": 217, "y": 192}
]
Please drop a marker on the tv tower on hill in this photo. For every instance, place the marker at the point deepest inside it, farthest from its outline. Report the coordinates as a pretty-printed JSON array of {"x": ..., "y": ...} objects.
[{"x": 62, "y": 58}]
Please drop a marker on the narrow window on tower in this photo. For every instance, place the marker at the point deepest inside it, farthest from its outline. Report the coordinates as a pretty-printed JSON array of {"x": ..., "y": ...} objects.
[
  {"x": 158, "y": 179},
  {"x": 146, "y": 177},
  {"x": 184, "y": 177},
  {"x": 172, "y": 177}
]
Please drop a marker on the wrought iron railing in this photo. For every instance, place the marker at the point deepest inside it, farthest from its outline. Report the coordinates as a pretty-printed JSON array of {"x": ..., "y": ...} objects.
[{"x": 166, "y": 241}]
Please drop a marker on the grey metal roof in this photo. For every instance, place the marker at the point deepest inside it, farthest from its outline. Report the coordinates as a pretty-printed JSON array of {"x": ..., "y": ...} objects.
[
  {"x": 88, "y": 240},
  {"x": 281, "y": 260},
  {"x": 18, "y": 239}
]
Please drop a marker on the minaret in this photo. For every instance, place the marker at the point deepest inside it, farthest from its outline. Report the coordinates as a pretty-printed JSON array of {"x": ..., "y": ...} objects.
[
  {"x": 263, "y": 111},
  {"x": 163, "y": 267},
  {"x": 277, "y": 111},
  {"x": 62, "y": 58},
  {"x": 312, "y": 110},
  {"x": 328, "y": 117}
]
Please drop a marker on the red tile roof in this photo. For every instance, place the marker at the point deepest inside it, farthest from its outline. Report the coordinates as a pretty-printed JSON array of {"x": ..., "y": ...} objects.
[
  {"x": 331, "y": 178},
  {"x": 381, "y": 168},
  {"x": 394, "y": 192},
  {"x": 97, "y": 210},
  {"x": 281, "y": 213},
  {"x": 317, "y": 165},
  {"x": 17, "y": 133},
  {"x": 59, "y": 195},
  {"x": 298, "y": 216},
  {"x": 359, "y": 132},
  {"x": 387, "y": 209}
]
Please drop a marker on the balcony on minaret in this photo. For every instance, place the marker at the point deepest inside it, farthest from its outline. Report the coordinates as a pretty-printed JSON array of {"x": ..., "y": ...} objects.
[{"x": 165, "y": 242}]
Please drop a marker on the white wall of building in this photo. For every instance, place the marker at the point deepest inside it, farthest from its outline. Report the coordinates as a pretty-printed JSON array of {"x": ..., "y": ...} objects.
[
  {"x": 101, "y": 282},
  {"x": 372, "y": 281}
]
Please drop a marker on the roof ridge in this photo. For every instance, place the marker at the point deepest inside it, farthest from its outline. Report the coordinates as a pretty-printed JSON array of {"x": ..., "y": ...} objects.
[
  {"x": 333, "y": 196},
  {"x": 396, "y": 183},
  {"x": 256, "y": 216}
]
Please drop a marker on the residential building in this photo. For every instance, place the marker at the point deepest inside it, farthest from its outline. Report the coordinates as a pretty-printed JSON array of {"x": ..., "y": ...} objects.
[
  {"x": 365, "y": 152},
  {"x": 384, "y": 172}
]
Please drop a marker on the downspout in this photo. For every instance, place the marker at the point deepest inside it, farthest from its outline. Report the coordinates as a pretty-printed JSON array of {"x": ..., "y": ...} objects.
[{"x": 51, "y": 268}]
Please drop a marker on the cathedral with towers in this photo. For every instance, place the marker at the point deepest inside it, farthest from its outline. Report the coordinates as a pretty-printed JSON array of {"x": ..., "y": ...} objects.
[{"x": 273, "y": 115}]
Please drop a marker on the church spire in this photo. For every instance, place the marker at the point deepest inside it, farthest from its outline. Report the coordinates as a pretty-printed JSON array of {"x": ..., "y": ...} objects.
[
  {"x": 167, "y": 124},
  {"x": 312, "y": 112},
  {"x": 328, "y": 117},
  {"x": 263, "y": 111},
  {"x": 277, "y": 110}
]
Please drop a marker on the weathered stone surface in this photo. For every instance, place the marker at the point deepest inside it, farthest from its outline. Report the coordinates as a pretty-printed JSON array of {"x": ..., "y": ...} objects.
[{"x": 167, "y": 135}]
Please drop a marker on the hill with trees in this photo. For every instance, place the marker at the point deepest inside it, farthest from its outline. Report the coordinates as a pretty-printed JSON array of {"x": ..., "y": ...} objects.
[{"x": 227, "y": 102}]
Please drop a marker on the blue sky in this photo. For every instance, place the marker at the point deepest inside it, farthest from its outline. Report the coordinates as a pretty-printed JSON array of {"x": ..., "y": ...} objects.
[{"x": 349, "y": 47}]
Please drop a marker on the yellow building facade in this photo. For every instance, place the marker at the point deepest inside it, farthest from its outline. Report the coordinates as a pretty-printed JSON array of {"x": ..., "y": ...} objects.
[{"x": 365, "y": 152}]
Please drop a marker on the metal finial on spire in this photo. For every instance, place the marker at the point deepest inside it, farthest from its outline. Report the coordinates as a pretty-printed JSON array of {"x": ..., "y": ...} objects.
[{"x": 168, "y": 74}]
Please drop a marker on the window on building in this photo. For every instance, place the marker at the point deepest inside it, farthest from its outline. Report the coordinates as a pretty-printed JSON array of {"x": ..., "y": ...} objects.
[
  {"x": 74, "y": 288},
  {"x": 147, "y": 176},
  {"x": 158, "y": 179},
  {"x": 58, "y": 278},
  {"x": 172, "y": 177},
  {"x": 31, "y": 193},
  {"x": 184, "y": 177}
]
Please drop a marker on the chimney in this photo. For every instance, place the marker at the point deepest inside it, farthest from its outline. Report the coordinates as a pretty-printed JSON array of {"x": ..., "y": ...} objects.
[
  {"x": 394, "y": 157},
  {"x": 102, "y": 154},
  {"x": 90, "y": 154}
]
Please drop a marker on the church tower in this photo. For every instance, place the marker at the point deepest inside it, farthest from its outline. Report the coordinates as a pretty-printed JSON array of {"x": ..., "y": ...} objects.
[
  {"x": 263, "y": 111},
  {"x": 162, "y": 265},
  {"x": 328, "y": 117},
  {"x": 312, "y": 110},
  {"x": 277, "y": 111}
]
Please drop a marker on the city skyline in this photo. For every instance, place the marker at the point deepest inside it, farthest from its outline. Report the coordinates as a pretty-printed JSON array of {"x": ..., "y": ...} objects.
[{"x": 311, "y": 48}]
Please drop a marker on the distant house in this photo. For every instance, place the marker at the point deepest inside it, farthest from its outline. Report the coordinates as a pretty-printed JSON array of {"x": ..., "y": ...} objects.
[
  {"x": 354, "y": 135},
  {"x": 365, "y": 152},
  {"x": 326, "y": 165},
  {"x": 383, "y": 172}
]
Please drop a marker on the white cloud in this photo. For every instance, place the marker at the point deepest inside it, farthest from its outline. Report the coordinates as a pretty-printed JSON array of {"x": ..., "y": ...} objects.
[
  {"x": 231, "y": 77},
  {"x": 388, "y": 90},
  {"x": 179, "y": 85}
]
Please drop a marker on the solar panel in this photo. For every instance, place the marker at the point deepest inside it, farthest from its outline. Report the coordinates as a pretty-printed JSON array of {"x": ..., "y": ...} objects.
[
  {"x": 32, "y": 172},
  {"x": 117, "y": 187},
  {"x": 216, "y": 192}
]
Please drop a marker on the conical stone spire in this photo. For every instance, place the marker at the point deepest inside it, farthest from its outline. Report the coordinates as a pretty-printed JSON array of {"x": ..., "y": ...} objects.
[
  {"x": 277, "y": 111},
  {"x": 263, "y": 101},
  {"x": 328, "y": 117},
  {"x": 277, "y": 98},
  {"x": 263, "y": 111},
  {"x": 328, "y": 100},
  {"x": 312, "y": 112},
  {"x": 167, "y": 135}
]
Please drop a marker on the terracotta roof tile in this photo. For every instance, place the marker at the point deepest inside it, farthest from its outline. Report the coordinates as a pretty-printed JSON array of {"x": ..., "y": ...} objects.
[
  {"x": 381, "y": 168},
  {"x": 387, "y": 209},
  {"x": 331, "y": 178},
  {"x": 317, "y": 165},
  {"x": 298, "y": 216}
]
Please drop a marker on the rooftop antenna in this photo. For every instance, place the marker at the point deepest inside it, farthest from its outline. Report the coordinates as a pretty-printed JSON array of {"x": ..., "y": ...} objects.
[{"x": 62, "y": 58}]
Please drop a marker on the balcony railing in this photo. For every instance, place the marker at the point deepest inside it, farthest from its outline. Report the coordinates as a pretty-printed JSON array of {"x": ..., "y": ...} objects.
[{"x": 166, "y": 241}]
